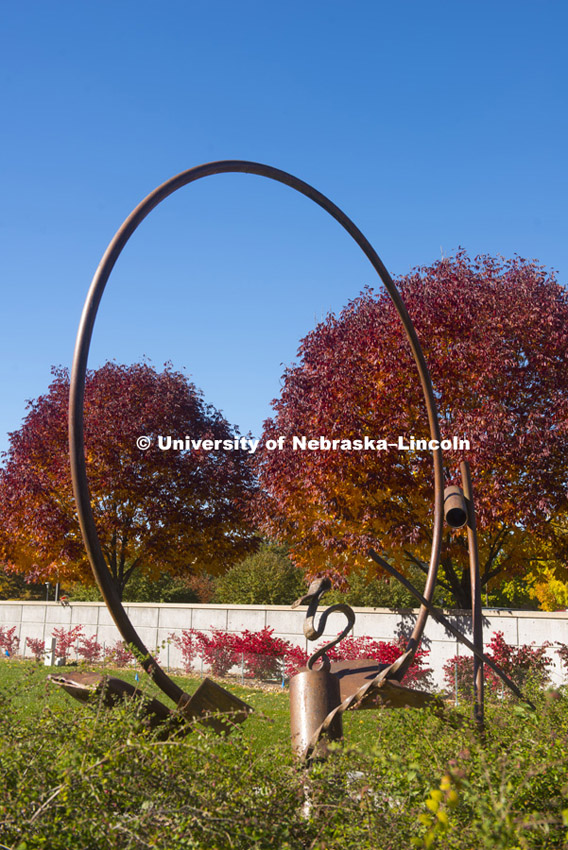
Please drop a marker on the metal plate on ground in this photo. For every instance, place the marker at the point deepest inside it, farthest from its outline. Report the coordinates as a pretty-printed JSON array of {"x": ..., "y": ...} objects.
[
  {"x": 358, "y": 672},
  {"x": 209, "y": 701},
  {"x": 84, "y": 686}
]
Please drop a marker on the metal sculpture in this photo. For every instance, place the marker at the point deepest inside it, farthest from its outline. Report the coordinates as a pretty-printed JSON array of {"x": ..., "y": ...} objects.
[
  {"x": 459, "y": 510},
  {"x": 385, "y": 679},
  {"x": 76, "y": 400},
  {"x": 318, "y": 697},
  {"x": 77, "y": 390}
]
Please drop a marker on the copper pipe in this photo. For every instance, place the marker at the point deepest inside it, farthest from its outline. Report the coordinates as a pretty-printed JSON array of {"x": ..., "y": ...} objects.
[
  {"x": 455, "y": 507},
  {"x": 476, "y": 616}
]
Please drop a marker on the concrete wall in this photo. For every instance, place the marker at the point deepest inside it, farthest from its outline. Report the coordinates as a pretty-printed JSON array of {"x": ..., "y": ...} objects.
[{"x": 155, "y": 622}]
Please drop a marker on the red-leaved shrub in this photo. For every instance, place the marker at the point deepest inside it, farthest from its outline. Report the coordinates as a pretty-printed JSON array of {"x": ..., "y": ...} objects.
[
  {"x": 562, "y": 652},
  {"x": 66, "y": 640},
  {"x": 219, "y": 650},
  {"x": 189, "y": 643},
  {"x": 265, "y": 656},
  {"x": 522, "y": 664},
  {"x": 294, "y": 660},
  {"x": 37, "y": 647},
  {"x": 9, "y": 641},
  {"x": 89, "y": 648},
  {"x": 119, "y": 655},
  {"x": 262, "y": 653}
]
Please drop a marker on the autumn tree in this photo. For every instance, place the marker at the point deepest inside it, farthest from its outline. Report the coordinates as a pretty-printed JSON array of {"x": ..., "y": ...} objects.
[
  {"x": 155, "y": 509},
  {"x": 495, "y": 337}
]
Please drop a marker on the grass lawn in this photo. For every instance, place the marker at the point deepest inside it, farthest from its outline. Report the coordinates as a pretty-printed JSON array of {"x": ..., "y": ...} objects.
[{"x": 31, "y": 693}]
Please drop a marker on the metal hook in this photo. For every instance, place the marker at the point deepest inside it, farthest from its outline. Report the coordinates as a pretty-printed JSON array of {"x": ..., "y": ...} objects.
[{"x": 315, "y": 592}]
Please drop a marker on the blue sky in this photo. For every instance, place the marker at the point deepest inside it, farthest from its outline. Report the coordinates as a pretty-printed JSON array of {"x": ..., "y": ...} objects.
[{"x": 432, "y": 125}]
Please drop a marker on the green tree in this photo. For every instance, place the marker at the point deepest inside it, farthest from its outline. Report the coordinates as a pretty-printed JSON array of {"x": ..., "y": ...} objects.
[
  {"x": 14, "y": 586},
  {"x": 363, "y": 588}
]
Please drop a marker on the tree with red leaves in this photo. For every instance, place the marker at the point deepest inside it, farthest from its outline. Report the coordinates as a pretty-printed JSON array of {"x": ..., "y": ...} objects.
[
  {"x": 159, "y": 509},
  {"x": 495, "y": 337}
]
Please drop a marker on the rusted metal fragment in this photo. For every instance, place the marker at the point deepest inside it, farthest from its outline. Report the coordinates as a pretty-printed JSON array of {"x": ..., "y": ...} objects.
[
  {"x": 313, "y": 695},
  {"x": 353, "y": 674},
  {"x": 83, "y": 686},
  {"x": 205, "y": 705},
  {"x": 209, "y": 702},
  {"x": 392, "y": 694},
  {"x": 312, "y": 599}
]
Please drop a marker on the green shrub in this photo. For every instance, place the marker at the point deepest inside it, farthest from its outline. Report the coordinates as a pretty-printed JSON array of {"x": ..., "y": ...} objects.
[
  {"x": 366, "y": 590},
  {"x": 266, "y": 578},
  {"x": 164, "y": 588}
]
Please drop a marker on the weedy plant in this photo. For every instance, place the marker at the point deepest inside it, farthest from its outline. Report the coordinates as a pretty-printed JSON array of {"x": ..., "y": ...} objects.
[{"x": 89, "y": 777}]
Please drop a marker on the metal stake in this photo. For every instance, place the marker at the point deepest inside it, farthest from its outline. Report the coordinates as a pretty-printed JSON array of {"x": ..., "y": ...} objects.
[{"x": 476, "y": 616}]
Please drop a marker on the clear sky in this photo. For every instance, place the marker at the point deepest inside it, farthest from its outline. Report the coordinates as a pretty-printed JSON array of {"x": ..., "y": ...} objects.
[{"x": 433, "y": 125}]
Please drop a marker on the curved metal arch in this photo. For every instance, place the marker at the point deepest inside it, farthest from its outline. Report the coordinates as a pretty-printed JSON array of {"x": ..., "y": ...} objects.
[{"x": 77, "y": 393}]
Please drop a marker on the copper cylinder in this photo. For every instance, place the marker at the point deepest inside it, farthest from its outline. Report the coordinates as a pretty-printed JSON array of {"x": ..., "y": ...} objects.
[
  {"x": 455, "y": 508},
  {"x": 313, "y": 694}
]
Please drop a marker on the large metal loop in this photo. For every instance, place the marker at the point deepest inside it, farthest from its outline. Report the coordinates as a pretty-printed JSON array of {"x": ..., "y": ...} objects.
[{"x": 77, "y": 392}]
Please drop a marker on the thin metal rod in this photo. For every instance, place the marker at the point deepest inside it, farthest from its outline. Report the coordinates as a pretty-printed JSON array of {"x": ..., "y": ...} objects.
[
  {"x": 476, "y": 617},
  {"x": 79, "y": 371},
  {"x": 439, "y": 617}
]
